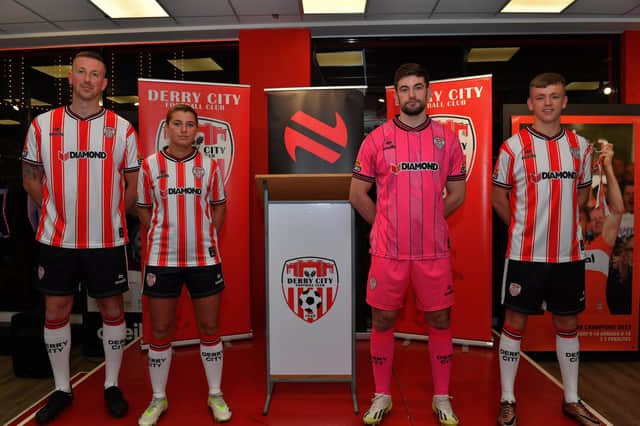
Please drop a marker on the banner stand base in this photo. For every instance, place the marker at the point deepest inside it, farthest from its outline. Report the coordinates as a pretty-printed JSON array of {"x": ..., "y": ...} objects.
[
  {"x": 189, "y": 342},
  {"x": 422, "y": 338},
  {"x": 272, "y": 380}
]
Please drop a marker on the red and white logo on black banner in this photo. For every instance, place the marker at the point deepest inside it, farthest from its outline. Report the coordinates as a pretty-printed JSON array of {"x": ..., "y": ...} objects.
[
  {"x": 214, "y": 139},
  {"x": 310, "y": 286}
]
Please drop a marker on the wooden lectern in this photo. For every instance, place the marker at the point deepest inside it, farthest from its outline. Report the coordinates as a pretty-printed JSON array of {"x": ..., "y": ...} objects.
[{"x": 310, "y": 280}]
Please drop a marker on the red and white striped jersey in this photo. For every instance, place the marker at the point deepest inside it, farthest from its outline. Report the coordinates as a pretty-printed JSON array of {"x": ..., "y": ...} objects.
[
  {"x": 83, "y": 161},
  {"x": 544, "y": 175},
  {"x": 181, "y": 194},
  {"x": 410, "y": 167}
]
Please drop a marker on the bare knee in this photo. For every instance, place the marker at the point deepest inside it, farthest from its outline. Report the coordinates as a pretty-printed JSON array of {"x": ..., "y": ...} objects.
[
  {"x": 515, "y": 320},
  {"x": 207, "y": 328},
  {"x": 161, "y": 330},
  {"x": 565, "y": 322},
  {"x": 58, "y": 307},
  {"x": 439, "y": 319},
  {"x": 111, "y": 307},
  {"x": 383, "y": 320}
]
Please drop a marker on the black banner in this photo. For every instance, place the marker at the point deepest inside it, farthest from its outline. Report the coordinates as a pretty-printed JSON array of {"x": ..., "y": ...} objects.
[{"x": 316, "y": 130}]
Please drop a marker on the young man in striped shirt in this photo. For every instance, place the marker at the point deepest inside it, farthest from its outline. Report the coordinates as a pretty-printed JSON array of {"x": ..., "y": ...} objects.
[
  {"x": 541, "y": 178},
  {"x": 80, "y": 165},
  {"x": 411, "y": 159}
]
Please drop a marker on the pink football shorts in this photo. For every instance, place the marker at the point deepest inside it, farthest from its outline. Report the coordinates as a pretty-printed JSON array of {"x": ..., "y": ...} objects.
[{"x": 389, "y": 280}]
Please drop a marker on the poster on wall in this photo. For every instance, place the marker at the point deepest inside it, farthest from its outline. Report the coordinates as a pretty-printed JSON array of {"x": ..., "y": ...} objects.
[
  {"x": 463, "y": 105},
  {"x": 314, "y": 129},
  {"x": 612, "y": 286},
  {"x": 223, "y": 134}
]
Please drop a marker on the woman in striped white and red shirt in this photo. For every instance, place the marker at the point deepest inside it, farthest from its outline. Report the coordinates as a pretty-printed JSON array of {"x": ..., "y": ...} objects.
[{"x": 181, "y": 202}]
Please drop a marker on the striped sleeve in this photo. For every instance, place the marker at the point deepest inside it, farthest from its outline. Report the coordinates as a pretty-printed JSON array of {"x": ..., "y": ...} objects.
[
  {"x": 503, "y": 171},
  {"x": 584, "y": 180},
  {"x": 364, "y": 167},
  {"x": 216, "y": 188},
  {"x": 145, "y": 186},
  {"x": 31, "y": 150},
  {"x": 133, "y": 160},
  {"x": 457, "y": 161}
]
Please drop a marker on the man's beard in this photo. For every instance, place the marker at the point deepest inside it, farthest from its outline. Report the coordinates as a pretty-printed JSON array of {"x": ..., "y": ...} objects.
[{"x": 413, "y": 110}]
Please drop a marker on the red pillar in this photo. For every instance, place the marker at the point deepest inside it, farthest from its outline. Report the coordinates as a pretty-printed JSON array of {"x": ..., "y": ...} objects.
[
  {"x": 268, "y": 59},
  {"x": 631, "y": 67}
]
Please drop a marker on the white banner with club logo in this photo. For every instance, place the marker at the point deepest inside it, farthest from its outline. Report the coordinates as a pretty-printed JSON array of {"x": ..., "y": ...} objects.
[{"x": 310, "y": 288}]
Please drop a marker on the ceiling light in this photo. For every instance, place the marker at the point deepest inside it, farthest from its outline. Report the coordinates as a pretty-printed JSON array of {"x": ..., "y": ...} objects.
[
  {"x": 333, "y": 6},
  {"x": 38, "y": 102},
  {"x": 195, "y": 64},
  {"x": 491, "y": 54},
  {"x": 16, "y": 107},
  {"x": 136, "y": 103},
  {"x": 536, "y": 6},
  {"x": 340, "y": 59},
  {"x": 8, "y": 122},
  {"x": 55, "y": 71},
  {"x": 128, "y": 99},
  {"x": 131, "y": 9},
  {"x": 381, "y": 100},
  {"x": 582, "y": 85},
  {"x": 607, "y": 90}
]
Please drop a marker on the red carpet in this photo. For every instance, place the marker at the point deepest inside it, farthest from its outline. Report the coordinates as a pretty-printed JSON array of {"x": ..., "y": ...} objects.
[{"x": 475, "y": 387}]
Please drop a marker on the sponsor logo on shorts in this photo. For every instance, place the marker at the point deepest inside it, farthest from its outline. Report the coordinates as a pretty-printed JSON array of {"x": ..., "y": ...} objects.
[
  {"x": 198, "y": 172},
  {"x": 151, "y": 279},
  {"x": 372, "y": 283},
  {"x": 40, "y": 272},
  {"x": 219, "y": 279},
  {"x": 515, "y": 289},
  {"x": 109, "y": 131},
  {"x": 121, "y": 279},
  {"x": 449, "y": 290}
]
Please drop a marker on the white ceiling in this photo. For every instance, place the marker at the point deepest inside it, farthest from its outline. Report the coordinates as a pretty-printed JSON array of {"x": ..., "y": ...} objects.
[{"x": 31, "y": 23}]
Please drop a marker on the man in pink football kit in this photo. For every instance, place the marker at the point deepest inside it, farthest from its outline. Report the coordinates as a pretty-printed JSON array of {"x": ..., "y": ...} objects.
[
  {"x": 411, "y": 159},
  {"x": 80, "y": 165},
  {"x": 541, "y": 178}
]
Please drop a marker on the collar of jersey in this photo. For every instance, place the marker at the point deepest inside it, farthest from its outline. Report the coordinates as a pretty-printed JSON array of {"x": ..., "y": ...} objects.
[
  {"x": 90, "y": 117},
  {"x": 420, "y": 127},
  {"x": 545, "y": 137},
  {"x": 169, "y": 157}
]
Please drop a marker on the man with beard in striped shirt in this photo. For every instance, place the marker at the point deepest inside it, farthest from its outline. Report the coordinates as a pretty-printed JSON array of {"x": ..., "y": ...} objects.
[
  {"x": 541, "y": 178},
  {"x": 80, "y": 165}
]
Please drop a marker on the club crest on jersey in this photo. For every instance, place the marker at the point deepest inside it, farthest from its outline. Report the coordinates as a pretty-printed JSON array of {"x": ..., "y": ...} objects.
[
  {"x": 464, "y": 129},
  {"x": 310, "y": 286},
  {"x": 515, "y": 289},
  {"x": 109, "y": 131},
  {"x": 438, "y": 142},
  {"x": 198, "y": 172},
  {"x": 575, "y": 152},
  {"x": 214, "y": 140},
  {"x": 534, "y": 177},
  {"x": 151, "y": 279}
]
